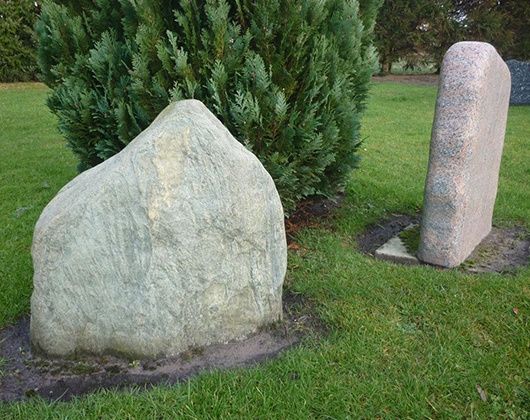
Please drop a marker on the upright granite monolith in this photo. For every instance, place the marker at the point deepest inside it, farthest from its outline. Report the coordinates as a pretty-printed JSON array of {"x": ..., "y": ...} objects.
[
  {"x": 466, "y": 147},
  {"x": 176, "y": 242}
]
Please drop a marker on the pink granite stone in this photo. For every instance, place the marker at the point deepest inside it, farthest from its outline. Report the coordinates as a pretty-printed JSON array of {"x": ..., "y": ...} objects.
[{"x": 466, "y": 147}]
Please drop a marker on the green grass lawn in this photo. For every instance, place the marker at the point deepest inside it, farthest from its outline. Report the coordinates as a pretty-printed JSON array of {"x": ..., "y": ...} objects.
[
  {"x": 403, "y": 342},
  {"x": 35, "y": 164}
]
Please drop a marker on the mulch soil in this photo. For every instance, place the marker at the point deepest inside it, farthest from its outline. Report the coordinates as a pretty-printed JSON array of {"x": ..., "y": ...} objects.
[
  {"x": 25, "y": 376},
  {"x": 503, "y": 251}
]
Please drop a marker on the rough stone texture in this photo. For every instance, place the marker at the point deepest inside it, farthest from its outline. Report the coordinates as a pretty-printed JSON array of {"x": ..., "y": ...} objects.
[
  {"x": 176, "y": 242},
  {"x": 520, "y": 72},
  {"x": 466, "y": 147}
]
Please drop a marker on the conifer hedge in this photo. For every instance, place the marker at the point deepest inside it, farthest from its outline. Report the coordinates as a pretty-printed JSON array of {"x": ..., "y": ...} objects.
[{"x": 287, "y": 78}]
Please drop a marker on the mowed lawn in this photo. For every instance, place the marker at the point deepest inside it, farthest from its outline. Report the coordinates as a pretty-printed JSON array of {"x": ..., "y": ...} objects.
[{"x": 402, "y": 342}]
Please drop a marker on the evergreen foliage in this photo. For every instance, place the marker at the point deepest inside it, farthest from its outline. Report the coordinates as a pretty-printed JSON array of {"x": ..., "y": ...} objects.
[
  {"x": 483, "y": 20},
  {"x": 404, "y": 31},
  {"x": 516, "y": 17},
  {"x": 422, "y": 31},
  {"x": 18, "y": 55},
  {"x": 288, "y": 79}
]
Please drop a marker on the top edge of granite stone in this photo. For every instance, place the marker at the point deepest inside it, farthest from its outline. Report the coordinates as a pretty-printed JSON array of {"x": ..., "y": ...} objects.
[{"x": 466, "y": 64}]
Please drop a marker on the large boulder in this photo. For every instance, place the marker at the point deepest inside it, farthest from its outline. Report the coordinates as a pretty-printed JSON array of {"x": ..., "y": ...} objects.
[{"x": 176, "y": 242}]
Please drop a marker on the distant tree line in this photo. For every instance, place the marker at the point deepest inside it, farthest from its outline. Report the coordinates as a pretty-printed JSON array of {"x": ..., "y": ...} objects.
[
  {"x": 18, "y": 49},
  {"x": 419, "y": 32}
]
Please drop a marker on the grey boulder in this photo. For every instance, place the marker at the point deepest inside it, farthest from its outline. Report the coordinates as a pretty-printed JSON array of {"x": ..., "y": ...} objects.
[{"x": 176, "y": 242}]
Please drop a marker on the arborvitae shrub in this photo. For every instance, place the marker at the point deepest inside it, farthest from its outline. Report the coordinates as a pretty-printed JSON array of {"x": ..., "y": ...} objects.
[{"x": 287, "y": 78}]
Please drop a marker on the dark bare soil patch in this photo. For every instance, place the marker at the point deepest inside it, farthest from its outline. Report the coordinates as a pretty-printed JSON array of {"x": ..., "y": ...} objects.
[
  {"x": 24, "y": 376},
  {"x": 379, "y": 234},
  {"x": 503, "y": 251},
  {"x": 311, "y": 213}
]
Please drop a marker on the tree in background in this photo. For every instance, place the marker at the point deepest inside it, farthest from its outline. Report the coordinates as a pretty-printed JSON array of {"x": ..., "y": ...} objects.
[
  {"x": 406, "y": 30},
  {"x": 287, "y": 78},
  {"x": 422, "y": 31},
  {"x": 505, "y": 24},
  {"x": 516, "y": 15},
  {"x": 18, "y": 54},
  {"x": 482, "y": 20}
]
